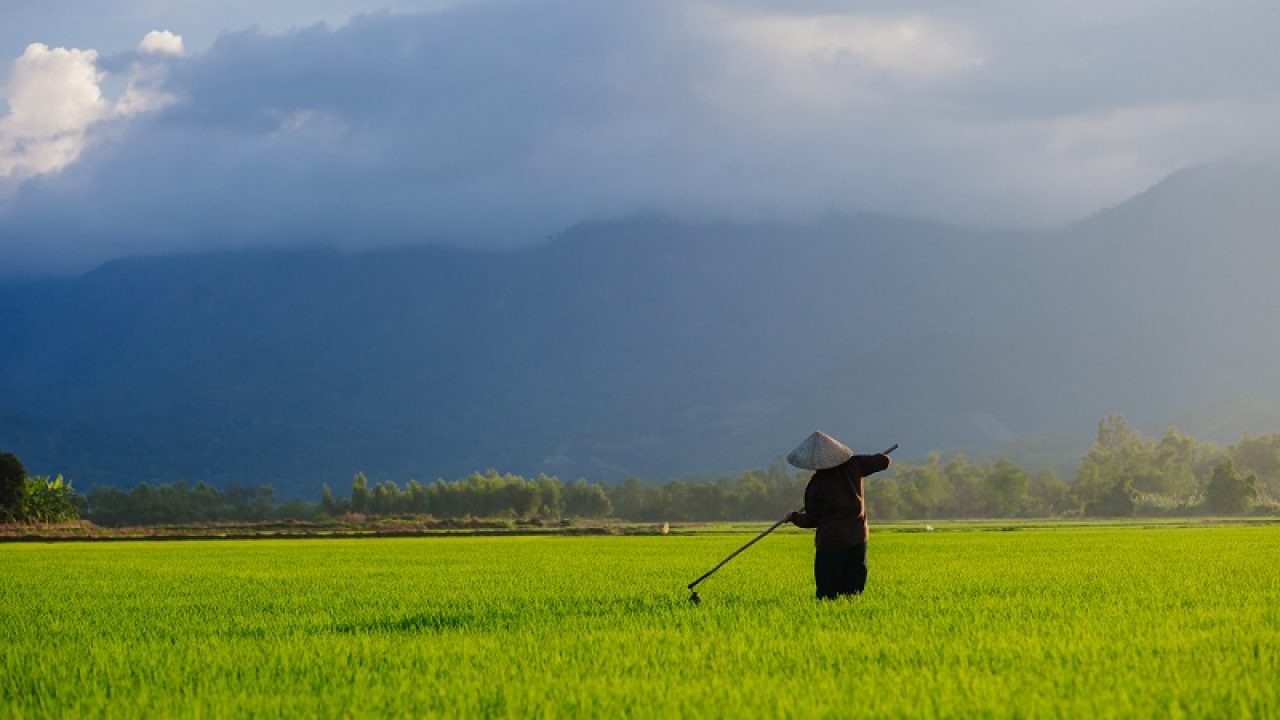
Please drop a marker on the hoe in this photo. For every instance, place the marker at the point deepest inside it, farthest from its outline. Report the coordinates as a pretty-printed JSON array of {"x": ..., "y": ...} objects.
[{"x": 694, "y": 598}]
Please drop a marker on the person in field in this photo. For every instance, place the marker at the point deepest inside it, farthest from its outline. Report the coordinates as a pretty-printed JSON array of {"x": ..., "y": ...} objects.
[{"x": 834, "y": 504}]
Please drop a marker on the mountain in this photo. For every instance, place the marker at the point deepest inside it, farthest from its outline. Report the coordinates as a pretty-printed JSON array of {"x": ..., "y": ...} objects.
[{"x": 651, "y": 346}]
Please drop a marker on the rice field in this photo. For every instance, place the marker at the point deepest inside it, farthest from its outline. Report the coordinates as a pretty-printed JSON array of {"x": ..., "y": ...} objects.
[{"x": 1058, "y": 622}]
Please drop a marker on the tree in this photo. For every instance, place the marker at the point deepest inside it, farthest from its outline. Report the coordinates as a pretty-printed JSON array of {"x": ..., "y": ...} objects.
[
  {"x": 1119, "y": 501},
  {"x": 416, "y": 497},
  {"x": 583, "y": 500},
  {"x": 1007, "y": 487},
  {"x": 596, "y": 504},
  {"x": 753, "y": 497},
  {"x": 108, "y": 506},
  {"x": 13, "y": 477},
  {"x": 1049, "y": 493},
  {"x": 328, "y": 506},
  {"x": 1260, "y": 457},
  {"x": 1228, "y": 491},
  {"x": 926, "y": 490},
  {"x": 968, "y": 483},
  {"x": 519, "y": 498},
  {"x": 1089, "y": 485},
  {"x": 628, "y": 498},
  {"x": 359, "y": 493},
  {"x": 1176, "y": 458},
  {"x": 386, "y": 498},
  {"x": 1122, "y": 458},
  {"x": 550, "y": 497},
  {"x": 884, "y": 501},
  {"x": 1115, "y": 436},
  {"x": 264, "y": 499}
]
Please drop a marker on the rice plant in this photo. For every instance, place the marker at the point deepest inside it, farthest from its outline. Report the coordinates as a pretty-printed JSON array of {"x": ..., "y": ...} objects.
[{"x": 1057, "y": 622}]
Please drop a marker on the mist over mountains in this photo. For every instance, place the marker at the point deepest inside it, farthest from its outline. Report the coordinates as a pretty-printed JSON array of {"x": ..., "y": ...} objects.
[{"x": 654, "y": 347}]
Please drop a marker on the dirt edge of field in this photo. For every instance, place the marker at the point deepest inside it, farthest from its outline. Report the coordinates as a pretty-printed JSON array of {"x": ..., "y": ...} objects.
[{"x": 84, "y": 531}]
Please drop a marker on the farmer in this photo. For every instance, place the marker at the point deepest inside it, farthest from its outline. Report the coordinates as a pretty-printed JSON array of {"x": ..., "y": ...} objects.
[{"x": 834, "y": 504}]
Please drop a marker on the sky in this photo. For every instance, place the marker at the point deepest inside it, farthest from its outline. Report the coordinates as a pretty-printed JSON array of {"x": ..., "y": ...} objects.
[{"x": 157, "y": 126}]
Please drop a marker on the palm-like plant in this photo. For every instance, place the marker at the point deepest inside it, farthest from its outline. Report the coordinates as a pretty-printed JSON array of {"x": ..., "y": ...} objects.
[{"x": 49, "y": 500}]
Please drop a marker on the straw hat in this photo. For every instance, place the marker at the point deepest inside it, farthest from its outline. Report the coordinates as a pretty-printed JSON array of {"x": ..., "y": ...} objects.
[{"x": 819, "y": 451}]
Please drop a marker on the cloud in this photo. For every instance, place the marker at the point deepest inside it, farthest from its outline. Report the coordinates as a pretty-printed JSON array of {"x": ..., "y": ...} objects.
[
  {"x": 498, "y": 123},
  {"x": 162, "y": 42},
  {"x": 53, "y": 98},
  {"x": 910, "y": 45},
  {"x": 145, "y": 91}
]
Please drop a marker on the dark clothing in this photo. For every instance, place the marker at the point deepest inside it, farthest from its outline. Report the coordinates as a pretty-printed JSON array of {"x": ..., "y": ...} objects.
[
  {"x": 833, "y": 503},
  {"x": 840, "y": 572}
]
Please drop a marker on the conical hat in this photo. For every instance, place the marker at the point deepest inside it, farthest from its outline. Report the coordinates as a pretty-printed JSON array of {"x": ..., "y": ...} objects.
[{"x": 819, "y": 451}]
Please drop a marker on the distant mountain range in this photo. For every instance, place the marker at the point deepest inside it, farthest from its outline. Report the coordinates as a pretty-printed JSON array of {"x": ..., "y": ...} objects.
[{"x": 654, "y": 347}]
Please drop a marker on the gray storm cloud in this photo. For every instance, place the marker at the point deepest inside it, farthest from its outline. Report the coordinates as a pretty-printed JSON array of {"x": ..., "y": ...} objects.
[{"x": 500, "y": 123}]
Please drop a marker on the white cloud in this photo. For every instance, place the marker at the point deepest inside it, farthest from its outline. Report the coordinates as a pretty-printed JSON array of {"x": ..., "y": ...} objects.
[
  {"x": 53, "y": 97},
  {"x": 146, "y": 80},
  {"x": 161, "y": 42}
]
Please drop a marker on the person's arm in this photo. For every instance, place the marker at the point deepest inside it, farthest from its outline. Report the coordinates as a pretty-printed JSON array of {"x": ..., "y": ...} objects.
[
  {"x": 871, "y": 464},
  {"x": 808, "y": 517}
]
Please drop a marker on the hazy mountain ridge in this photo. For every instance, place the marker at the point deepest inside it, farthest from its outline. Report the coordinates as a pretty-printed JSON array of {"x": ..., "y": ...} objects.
[{"x": 648, "y": 346}]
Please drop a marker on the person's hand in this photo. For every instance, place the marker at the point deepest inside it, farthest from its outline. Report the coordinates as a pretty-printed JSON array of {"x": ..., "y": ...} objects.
[{"x": 791, "y": 517}]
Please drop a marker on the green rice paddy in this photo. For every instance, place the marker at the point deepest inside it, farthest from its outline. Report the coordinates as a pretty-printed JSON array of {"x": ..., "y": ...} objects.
[{"x": 1067, "y": 622}]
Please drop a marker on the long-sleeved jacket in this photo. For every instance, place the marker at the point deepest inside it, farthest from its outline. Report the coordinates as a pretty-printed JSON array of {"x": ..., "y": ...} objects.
[{"x": 834, "y": 502}]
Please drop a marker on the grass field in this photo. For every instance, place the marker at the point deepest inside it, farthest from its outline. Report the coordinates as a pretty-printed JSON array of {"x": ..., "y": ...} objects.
[{"x": 1071, "y": 622}]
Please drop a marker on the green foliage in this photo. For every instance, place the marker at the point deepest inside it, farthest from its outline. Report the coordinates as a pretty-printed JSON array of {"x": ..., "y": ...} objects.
[
  {"x": 181, "y": 503},
  {"x": 1008, "y": 485},
  {"x": 587, "y": 501},
  {"x": 1064, "y": 623},
  {"x": 1260, "y": 457},
  {"x": 1050, "y": 492},
  {"x": 1119, "y": 500},
  {"x": 752, "y": 495},
  {"x": 12, "y": 485},
  {"x": 34, "y": 499},
  {"x": 1228, "y": 491},
  {"x": 1167, "y": 473},
  {"x": 48, "y": 500},
  {"x": 1123, "y": 457},
  {"x": 962, "y": 489},
  {"x": 328, "y": 506},
  {"x": 1123, "y": 474},
  {"x": 359, "y": 493}
]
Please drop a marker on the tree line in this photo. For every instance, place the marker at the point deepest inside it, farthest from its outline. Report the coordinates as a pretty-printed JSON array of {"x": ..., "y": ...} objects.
[{"x": 1123, "y": 474}]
